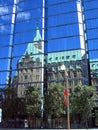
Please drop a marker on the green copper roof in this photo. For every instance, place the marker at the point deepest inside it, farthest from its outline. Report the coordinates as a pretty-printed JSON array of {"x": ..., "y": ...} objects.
[
  {"x": 71, "y": 67},
  {"x": 64, "y": 56},
  {"x": 78, "y": 67},
  {"x": 33, "y": 48},
  {"x": 37, "y": 36},
  {"x": 94, "y": 64}
]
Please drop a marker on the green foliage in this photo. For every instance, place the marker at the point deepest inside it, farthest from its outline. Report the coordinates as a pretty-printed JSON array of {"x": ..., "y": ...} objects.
[
  {"x": 82, "y": 100},
  {"x": 11, "y": 105},
  {"x": 29, "y": 104},
  {"x": 33, "y": 100},
  {"x": 54, "y": 98}
]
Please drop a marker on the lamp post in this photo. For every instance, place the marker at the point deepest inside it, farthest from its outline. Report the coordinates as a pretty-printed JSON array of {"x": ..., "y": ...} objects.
[{"x": 63, "y": 68}]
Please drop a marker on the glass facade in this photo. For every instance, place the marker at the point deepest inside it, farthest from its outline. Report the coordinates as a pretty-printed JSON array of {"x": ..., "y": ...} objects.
[
  {"x": 37, "y": 39},
  {"x": 90, "y": 11}
]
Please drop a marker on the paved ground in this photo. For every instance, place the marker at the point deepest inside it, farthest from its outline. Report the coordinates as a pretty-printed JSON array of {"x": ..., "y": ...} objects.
[{"x": 45, "y": 129}]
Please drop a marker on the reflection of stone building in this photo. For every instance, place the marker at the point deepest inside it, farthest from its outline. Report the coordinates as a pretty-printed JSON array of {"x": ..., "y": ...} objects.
[
  {"x": 75, "y": 66},
  {"x": 94, "y": 72},
  {"x": 29, "y": 67}
]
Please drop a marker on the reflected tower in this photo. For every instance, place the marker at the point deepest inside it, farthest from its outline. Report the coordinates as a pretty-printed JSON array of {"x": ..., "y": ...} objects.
[{"x": 29, "y": 66}]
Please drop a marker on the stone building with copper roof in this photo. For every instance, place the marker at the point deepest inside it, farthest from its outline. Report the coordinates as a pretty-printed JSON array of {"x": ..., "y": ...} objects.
[{"x": 29, "y": 67}]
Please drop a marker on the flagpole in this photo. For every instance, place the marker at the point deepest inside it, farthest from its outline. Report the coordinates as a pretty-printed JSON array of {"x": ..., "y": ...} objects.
[{"x": 63, "y": 68}]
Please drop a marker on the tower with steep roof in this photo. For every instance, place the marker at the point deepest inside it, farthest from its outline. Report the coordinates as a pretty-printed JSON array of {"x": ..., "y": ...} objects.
[{"x": 29, "y": 66}]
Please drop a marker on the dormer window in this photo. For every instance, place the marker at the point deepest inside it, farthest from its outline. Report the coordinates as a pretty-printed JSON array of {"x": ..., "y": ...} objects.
[
  {"x": 74, "y": 56},
  {"x": 67, "y": 57},
  {"x": 50, "y": 59},
  {"x": 62, "y": 57},
  {"x": 56, "y": 58},
  {"x": 31, "y": 53},
  {"x": 93, "y": 65}
]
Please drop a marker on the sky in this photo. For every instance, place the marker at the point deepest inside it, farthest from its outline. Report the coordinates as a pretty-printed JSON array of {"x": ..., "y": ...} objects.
[{"x": 28, "y": 16}]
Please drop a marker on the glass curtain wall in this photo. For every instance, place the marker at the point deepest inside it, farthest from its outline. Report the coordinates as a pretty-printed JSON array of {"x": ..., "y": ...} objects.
[
  {"x": 65, "y": 38},
  {"x": 37, "y": 39},
  {"x": 21, "y": 63},
  {"x": 64, "y": 45},
  {"x": 91, "y": 22},
  {"x": 90, "y": 7}
]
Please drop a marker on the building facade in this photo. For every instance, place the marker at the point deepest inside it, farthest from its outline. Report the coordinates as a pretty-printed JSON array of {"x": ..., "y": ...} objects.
[
  {"x": 38, "y": 37},
  {"x": 29, "y": 67},
  {"x": 90, "y": 22},
  {"x": 70, "y": 36}
]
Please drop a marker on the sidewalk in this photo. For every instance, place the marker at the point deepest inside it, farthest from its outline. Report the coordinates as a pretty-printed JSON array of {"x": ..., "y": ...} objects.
[{"x": 44, "y": 129}]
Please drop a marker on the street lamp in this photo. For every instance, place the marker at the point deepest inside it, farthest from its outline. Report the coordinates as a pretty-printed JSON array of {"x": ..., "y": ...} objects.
[{"x": 63, "y": 68}]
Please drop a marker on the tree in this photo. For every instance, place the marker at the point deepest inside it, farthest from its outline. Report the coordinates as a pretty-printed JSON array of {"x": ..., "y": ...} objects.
[
  {"x": 33, "y": 100},
  {"x": 11, "y": 105},
  {"x": 82, "y": 101},
  {"x": 54, "y": 98}
]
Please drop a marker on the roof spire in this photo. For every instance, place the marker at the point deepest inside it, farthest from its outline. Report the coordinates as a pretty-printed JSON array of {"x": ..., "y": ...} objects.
[
  {"x": 37, "y": 36},
  {"x": 35, "y": 46}
]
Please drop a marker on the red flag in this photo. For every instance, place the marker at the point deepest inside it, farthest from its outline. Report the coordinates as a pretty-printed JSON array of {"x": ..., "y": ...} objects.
[
  {"x": 66, "y": 92},
  {"x": 65, "y": 97}
]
